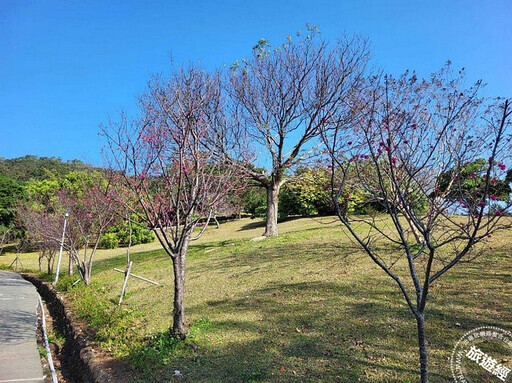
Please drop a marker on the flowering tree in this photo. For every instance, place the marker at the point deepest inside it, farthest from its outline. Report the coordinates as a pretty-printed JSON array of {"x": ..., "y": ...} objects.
[
  {"x": 282, "y": 96},
  {"x": 162, "y": 158},
  {"x": 43, "y": 230},
  {"x": 412, "y": 149},
  {"x": 91, "y": 204},
  {"x": 89, "y": 218}
]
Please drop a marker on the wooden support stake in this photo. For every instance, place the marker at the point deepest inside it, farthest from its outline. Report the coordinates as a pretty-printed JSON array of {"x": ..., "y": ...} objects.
[
  {"x": 126, "y": 276},
  {"x": 139, "y": 277},
  {"x": 16, "y": 261}
]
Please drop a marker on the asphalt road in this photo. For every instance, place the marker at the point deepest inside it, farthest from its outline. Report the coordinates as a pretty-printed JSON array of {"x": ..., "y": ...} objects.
[{"x": 19, "y": 358}]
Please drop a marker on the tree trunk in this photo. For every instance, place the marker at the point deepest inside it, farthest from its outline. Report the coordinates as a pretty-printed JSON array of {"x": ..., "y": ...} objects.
[
  {"x": 420, "y": 324},
  {"x": 179, "y": 327},
  {"x": 272, "y": 209},
  {"x": 40, "y": 260},
  {"x": 70, "y": 264},
  {"x": 414, "y": 229}
]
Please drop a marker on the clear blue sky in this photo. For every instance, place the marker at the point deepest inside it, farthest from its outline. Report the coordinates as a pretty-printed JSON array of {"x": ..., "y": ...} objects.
[{"x": 66, "y": 66}]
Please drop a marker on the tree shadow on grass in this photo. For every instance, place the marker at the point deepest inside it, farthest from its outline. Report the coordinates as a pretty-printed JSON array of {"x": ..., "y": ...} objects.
[
  {"x": 302, "y": 336},
  {"x": 258, "y": 223}
]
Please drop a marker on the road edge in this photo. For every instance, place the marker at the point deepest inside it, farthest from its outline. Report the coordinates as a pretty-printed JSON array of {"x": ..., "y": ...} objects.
[{"x": 89, "y": 368}]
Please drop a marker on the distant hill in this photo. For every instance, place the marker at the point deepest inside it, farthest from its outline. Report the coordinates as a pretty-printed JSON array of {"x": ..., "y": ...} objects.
[
  {"x": 39, "y": 168},
  {"x": 14, "y": 173}
]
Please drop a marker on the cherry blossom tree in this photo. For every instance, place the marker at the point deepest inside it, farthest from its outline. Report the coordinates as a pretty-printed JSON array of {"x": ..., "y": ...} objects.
[
  {"x": 163, "y": 159},
  {"x": 42, "y": 230},
  {"x": 92, "y": 208},
  {"x": 410, "y": 148},
  {"x": 89, "y": 218},
  {"x": 282, "y": 96}
]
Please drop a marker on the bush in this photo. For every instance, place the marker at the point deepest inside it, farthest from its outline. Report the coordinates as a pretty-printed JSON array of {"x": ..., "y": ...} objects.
[
  {"x": 260, "y": 211},
  {"x": 254, "y": 201},
  {"x": 122, "y": 234},
  {"x": 109, "y": 241}
]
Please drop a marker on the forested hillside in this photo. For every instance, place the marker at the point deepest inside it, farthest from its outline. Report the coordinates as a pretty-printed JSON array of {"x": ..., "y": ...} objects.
[{"x": 18, "y": 173}]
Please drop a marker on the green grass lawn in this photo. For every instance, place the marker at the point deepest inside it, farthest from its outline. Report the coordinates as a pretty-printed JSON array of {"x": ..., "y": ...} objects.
[{"x": 307, "y": 306}]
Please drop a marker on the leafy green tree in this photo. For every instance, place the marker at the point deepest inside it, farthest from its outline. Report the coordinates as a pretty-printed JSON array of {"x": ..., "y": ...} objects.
[
  {"x": 470, "y": 185},
  {"x": 42, "y": 191},
  {"x": 253, "y": 200},
  {"x": 308, "y": 194},
  {"x": 120, "y": 233},
  {"x": 10, "y": 193}
]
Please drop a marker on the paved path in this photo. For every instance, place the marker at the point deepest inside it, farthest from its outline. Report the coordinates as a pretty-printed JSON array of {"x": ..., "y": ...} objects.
[{"x": 19, "y": 358}]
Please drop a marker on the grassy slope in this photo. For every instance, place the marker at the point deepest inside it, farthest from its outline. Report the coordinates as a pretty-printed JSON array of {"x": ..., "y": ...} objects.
[{"x": 307, "y": 306}]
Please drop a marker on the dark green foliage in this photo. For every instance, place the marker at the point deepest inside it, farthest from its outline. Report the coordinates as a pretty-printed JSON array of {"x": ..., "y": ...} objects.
[
  {"x": 254, "y": 201},
  {"x": 11, "y": 192}
]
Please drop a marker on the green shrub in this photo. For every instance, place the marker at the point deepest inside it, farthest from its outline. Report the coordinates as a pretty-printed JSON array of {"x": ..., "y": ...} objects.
[
  {"x": 109, "y": 241},
  {"x": 119, "y": 235}
]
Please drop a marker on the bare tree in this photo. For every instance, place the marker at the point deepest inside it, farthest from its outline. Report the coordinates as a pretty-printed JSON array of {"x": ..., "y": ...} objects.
[
  {"x": 282, "y": 96},
  {"x": 163, "y": 159},
  {"x": 410, "y": 149}
]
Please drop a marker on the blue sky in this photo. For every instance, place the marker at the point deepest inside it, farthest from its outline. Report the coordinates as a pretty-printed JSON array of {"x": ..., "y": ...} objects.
[{"x": 66, "y": 66}]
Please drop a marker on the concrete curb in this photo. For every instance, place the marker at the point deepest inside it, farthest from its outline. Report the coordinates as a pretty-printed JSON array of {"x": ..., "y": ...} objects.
[{"x": 79, "y": 353}]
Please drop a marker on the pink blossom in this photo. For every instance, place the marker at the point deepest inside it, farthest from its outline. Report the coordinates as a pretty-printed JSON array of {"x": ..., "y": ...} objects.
[
  {"x": 493, "y": 197},
  {"x": 501, "y": 165},
  {"x": 499, "y": 213}
]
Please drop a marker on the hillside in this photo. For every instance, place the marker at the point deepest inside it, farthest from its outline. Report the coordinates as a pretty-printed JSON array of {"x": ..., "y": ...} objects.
[
  {"x": 307, "y": 306},
  {"x": 38, "y": 168}
]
